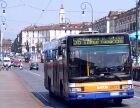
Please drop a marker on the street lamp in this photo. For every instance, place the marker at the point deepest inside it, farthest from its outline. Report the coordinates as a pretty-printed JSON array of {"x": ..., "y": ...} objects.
[
  {"x": 1, "y": 37},
  {"x": 2, "y": 27},
  {"x": 3, "y": 6},
  {"x": 83, "y": 7}
]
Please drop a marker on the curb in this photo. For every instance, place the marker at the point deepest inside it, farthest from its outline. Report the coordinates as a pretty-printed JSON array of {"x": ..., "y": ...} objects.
[
  {"x": 28, "y": 89},
  {"x": 137, "y": 84}
]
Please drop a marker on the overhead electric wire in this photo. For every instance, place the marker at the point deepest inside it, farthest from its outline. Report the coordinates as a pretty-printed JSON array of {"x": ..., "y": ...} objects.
[
  {"x": 33, "y": 7},
  {"x": 18, "y": 5},
  {"x": 43, "y": 10},
  {"x": 15, "y": 6},
  {"x": 41, "y": 14},
  {"x": 22, "y": 1},
  {"x": 18, "y": 21},
  {"x": 46, "y": 10}
]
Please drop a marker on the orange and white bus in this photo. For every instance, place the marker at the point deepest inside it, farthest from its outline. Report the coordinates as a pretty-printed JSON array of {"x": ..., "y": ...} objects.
[{"x": 89, "y": 67}]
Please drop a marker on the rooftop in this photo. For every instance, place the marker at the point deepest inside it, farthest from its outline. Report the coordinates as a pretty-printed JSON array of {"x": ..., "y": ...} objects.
[{"x": 67, "y": 26}]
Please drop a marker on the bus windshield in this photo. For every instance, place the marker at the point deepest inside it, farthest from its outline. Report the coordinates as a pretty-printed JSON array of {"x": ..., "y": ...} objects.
[{"x": 101, "y": 57}]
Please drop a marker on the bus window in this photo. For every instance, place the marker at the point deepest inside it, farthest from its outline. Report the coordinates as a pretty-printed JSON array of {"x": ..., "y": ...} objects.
[
  {"x": 54, "y": 55},
  {"x": 48, "y": 55},
  {"x": 45, "y": 55},
  {"x": 59, "y": 50},
  {"x": 64, "y": 52},
  {"x": 99, "y": 56},
  {"x": 78, "y": 65}
]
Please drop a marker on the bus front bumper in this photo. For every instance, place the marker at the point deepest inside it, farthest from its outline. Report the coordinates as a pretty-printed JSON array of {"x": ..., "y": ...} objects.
[{"x": 101, "y": 95}]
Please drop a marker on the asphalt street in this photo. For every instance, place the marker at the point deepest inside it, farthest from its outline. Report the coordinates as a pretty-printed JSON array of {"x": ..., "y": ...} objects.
[{"x": 34, "y": 81}]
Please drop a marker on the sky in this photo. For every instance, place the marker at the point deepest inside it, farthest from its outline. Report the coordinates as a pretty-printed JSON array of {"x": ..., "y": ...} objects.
[{"x": 23, "y": 13}]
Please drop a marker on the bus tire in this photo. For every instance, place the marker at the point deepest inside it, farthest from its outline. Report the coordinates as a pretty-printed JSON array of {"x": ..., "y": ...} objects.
[
  {"x": 49, "y": 87},
  {"x": 117, "y": 101},
  {"x": 61, "y": 89},
  {"x": 45, "y": 83}
]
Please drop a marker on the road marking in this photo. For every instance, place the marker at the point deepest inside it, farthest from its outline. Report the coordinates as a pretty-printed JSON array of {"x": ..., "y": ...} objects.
[
  {"x": 34, "y": 73},
  {"x": 137, "y": 97}
]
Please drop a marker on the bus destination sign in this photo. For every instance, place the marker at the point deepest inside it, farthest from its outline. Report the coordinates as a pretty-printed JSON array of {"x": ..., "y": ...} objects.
[{"x": 98, "y": 40}]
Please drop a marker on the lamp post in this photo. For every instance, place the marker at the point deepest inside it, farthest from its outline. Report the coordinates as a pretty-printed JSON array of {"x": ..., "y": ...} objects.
[
  {"x": 83, "y": 7},
  {"x": 2, "y": 28},
  {"x": 137, "y": 26},
  {"x": 1, "y": 37},
  {"x": 3, "y": 6}
]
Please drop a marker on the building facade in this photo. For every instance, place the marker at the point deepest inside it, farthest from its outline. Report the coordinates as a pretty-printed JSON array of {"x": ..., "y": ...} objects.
[
  {"x": 32, "y": 38},
  {"x": 6, "y": 45},
  {"x": 107, "y": 23},
  {"x": 118, "y": 22}
]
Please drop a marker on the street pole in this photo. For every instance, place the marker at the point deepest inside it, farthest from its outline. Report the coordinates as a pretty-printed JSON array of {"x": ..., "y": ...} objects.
[
  {"x": 3, "y": 5},
  {"x": 1, "y": 42},
  {"x": 137, "y": 26},
  {"x": 83, "y": 7}
]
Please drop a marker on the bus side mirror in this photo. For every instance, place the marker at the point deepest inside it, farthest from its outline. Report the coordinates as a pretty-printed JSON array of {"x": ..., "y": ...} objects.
[
  {"x": 63, "y": 42},
  {"x": 59, "y": 50}
]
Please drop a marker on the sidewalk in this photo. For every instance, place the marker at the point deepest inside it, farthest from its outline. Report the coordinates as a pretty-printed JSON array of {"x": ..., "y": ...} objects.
[
  {"x": 13, "y": 94},
  {"x": 136, "y": 83}
]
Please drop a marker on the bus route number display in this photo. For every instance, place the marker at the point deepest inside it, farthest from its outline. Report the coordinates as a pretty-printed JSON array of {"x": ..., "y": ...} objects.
[{"x": 98, "y": 40}]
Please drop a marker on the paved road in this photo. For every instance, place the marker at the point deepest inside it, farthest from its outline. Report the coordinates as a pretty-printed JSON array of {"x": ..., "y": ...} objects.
[{"x": 34, "y": 82}]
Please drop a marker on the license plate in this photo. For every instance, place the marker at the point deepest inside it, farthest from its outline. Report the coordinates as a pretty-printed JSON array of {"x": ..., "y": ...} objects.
[{"x": 114, "y": 93}]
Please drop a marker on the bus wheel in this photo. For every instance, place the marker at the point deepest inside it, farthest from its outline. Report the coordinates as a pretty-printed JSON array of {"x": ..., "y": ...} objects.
[
  {"x": 117, "y": 101},
  {"x": 61, "y": 88},
  {"x": 49, "y": 87}
]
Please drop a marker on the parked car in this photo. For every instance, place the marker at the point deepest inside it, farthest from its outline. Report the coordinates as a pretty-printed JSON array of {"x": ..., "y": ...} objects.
[
  {"x": 1, "y": 65},
  {"x": 34, "y": 65},
  {"x": 6, "y": 61},
  {"x": 27, "y": 59},
  {"x": 16, "y": 63},
  {"x": 1, "y": 58},
  {"x": 21, "y": 58}
]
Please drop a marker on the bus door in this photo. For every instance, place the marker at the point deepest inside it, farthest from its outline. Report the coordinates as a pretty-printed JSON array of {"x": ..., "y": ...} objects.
[{"x": 55, "y": 72}]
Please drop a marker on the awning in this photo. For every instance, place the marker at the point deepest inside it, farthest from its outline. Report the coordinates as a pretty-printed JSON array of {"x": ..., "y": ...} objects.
[
  {"x": 133, "y": 35},
  {"x": 50, "y": 45}
]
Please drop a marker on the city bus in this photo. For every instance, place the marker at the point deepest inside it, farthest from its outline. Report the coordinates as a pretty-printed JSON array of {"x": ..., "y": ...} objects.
[{"x": 89, "y": 67}]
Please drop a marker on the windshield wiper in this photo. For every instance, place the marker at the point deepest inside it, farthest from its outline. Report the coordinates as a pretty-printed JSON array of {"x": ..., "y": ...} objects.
[
  {"x": 117, "y": 77},
  {"x": 83, "y": 79},
  {"x": 106, "y": 71}
]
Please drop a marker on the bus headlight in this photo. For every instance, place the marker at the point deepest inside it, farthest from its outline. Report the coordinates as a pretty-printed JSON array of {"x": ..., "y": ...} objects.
[
  {"x": 76, "y": 89},
  {"x": 126, "y": 87}
]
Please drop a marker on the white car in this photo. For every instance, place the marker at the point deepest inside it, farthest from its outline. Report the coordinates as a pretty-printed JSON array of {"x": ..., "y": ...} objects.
[
  {"x": 1, "y": 58},
  {"x": 6, "y": 61}
]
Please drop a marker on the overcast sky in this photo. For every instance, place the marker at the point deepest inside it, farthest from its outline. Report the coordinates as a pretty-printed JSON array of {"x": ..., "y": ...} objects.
[{"x": 22, "y": 13}]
